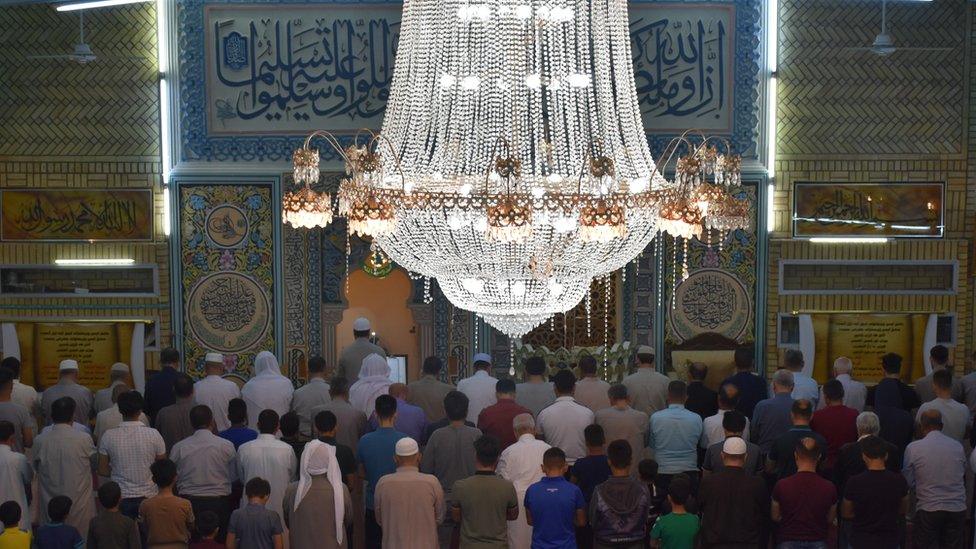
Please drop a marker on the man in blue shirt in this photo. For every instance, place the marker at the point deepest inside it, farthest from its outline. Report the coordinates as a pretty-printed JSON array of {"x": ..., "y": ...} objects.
[
  {"x": 375, "y": 454},
  {"x": 159, "y": 386},
  {"x": 674, "y": 435},
  {"x": 752, "y": 388},
  {"x": 772, "y": 419},
  {"x": 554, "y": 507}
]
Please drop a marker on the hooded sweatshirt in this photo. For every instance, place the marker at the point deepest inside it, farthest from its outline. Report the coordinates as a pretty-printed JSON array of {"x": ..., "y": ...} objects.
[{"x": 618, "y": 510}]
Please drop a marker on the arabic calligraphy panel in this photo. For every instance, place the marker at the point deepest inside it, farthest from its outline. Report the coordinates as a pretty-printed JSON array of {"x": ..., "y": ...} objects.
[
  {"x": 292, "y": 69},
  {"x": 684, "y": 64},
  {"x": 902, "y": 210},
  {"x": 73, "y": 214},
  {"x": 711, "y": 301}
]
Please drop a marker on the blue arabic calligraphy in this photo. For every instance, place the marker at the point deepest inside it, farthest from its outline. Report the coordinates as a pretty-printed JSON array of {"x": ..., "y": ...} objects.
[
  {"x": 680, "y": 66},
  {"x": 304, "y": 67}
]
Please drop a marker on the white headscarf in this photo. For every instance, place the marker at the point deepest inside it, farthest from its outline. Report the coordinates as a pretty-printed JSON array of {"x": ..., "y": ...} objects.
[
  {"x": 268, "y": 389},
  {"x": 374, "y": 380},
  {"x": 319, "y": 458}
]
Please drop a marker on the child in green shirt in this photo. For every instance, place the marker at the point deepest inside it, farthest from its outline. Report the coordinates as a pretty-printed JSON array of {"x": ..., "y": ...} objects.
[{"x": 679, "y": 528}]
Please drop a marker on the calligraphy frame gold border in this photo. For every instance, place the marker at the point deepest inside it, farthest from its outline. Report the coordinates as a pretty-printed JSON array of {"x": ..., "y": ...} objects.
[
  {"x": 150, "y": 216},
  {"x": 903, "y": 191}
]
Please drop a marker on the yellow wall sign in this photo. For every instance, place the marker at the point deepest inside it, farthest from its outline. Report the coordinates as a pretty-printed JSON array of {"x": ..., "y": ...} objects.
[
  {"x": 96, "y": 346},
  {"x": 865, "y": 338},
  {"x": 76, "y": 214}
]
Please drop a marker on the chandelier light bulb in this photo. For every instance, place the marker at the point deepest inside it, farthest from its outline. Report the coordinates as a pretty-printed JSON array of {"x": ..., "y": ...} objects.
[
  {"x": 447, "y": 81},
  {"x": 470, "y": 82},
  {"x": 533, "y": 81},
  {"x": 518, "y": 288},
  {"x": 473, "y": 285},
  {"x": 523, "y": 12}
]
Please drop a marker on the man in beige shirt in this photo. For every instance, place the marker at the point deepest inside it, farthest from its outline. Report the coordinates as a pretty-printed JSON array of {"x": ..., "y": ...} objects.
[
  {"x": 591, "y": 391},
  {"x": 429, "y": 391},
  {"x": 621, "y": 422},
  {"x": 352, "y": 355},
  {"x": 647, "y": 388},
  {"x": 409, "y": 504}
]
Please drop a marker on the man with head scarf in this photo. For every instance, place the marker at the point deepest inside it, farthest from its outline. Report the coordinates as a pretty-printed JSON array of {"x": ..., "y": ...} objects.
[
  {"x": 374, "y": 380},
  {"x": 318, "y": 507},
  {"x": 268, "y": 389}
]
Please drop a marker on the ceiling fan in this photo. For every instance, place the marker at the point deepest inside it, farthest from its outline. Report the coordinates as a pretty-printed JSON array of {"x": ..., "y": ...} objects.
[
  {"x": 82, "y": 53},
  {"x": 884, "y": 45}
]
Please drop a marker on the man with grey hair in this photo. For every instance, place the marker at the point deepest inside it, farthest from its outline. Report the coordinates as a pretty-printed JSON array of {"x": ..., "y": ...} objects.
[
  {"x": 771, "y": 418},
  {"x": 118, "y": 375},
  {"x": 855, "y": 393},
  {"x": 849, "y": 460},
  {"x": 804, "y": 386},
  {"x": 521, "y": 464}
]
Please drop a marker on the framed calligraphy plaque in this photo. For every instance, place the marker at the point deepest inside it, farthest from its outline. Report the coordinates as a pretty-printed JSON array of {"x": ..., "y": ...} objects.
[
  {"x": 893, "y": 210},
  {"x": 76, "y": 215},
  {"x": 293, "y": 69}
]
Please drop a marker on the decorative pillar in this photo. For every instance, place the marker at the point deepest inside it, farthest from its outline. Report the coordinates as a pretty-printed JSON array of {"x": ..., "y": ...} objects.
[
  {"x": 331, "y": 314},
  {"x": 423, "y": 318}
]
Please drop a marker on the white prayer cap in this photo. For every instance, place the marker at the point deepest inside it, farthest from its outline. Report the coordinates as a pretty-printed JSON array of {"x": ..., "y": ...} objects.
[
  {"x": 734, "y": 446},
  {"x": 361, "y": 324},
  {"x": 120, "y": 367},
  {"x": 645, "y": 350},
  {"x": 68, "y": 364},
  {"x": 481, "y": 357},
  {"x": 406, "y": 447},
  {"x": 216, "y": 358}
]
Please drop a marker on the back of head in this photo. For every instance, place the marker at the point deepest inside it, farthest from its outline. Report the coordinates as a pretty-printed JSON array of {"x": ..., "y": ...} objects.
[
  {"x": 617, "y": 392},
  {"x": 58, "y": 508},
  {"x": 257, "y": 487},
  {"x": 942, "y": 379},
  {"x": 339, "y": 386},
  {"x": 11, "y": 363},
  {"x": 930, "y": 420},
  {"x": 783, "y": 379},
  {"x": 397, "y": 390},
  {"x": 316, "y": 365},
  {"x": 523, "y": 423},
  {"x": 734, "y": 421},
  {"x": 697, "y": 371},
  {"x": 833, "y": 390},
  {"x": 268, "y": 422},
  {"x": 554, "y": 458},
  {"x": 594, "y": 436},
  {"x": 793, "y": 360},
  {"x": 183, "y": 386},
  {"x": 808, "y": 450},
  {"x": 207, "y": 524},
  {"x": 891, "y": 363},
  {"x": 620, "y": 454},
  {"x": 288, "y": 424},
  {"x": 7, "y": 430},
  {"x": 564, "y": 382},
  {"x": 868, "y": 423},
  {"x": 6, "y": 379},
  {"x": 386, "y": 407},
  {"x": 535, "y": 366},
  {"x": 647, "y": 469},
  {"x": 728, "y": 396},
  {"x": 645, "y": 358},
  {"x": 169, "y": 357},
  {"x": 744, "y": 358},
  {"x": 130, "y": 404},
  {"x": 63, "y": 410},
  {"x": 843, "y": 365},
  {"x": 677, "y": 391},
  {"x": 118, "y": 390},
  {"x": 874, "y": 448},
  {"x": 939, "y": 355},
  {"x": 505, "y": 387},
  {"x": 433, "y": 366},
  {"x": 679, "y": 490},
  {"x": 10, "y": 513},
  {"x": 487, "y": 449},
  {"x": 456, "y": 405},
  {"x": 109, "y": 494},
  {"x": 237, "y": 410},
  {"x": 325, "y": 421},
  {"x": 587, "y": 366},
  {"x": 201, "y": 417},
  {"x": 802, "y": 410}
]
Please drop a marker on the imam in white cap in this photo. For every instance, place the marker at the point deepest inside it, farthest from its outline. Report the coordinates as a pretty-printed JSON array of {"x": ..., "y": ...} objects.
[
  {"x": 361, "y": 324},
  {"x": 645, "y": 350},
  {"x": 120, "y": 367},
  {"x": 406, "y": 447},
  {"x": 734, "y": 446},
  {"x": 68, "y": 364},
  {"x": 216, "y": 358},
  {"x": 481, "y": 357}
]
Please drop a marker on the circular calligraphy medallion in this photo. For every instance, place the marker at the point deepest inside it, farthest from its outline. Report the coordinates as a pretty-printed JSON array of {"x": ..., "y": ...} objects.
[
  {"x": 711, "y": 301},
  {"x": 227, "y": 226},
  {"x": 228, "y": 312}
]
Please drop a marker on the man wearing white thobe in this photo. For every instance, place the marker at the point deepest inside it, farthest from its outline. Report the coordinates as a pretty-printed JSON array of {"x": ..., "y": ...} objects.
[
  {"x": 63, "y": 460},
  {"x": 15, "y": 474},
  {"x": 268, "y": 458},
  {"x": 521, "y": 464},
  {"x": 23, "y": 394},
  {"x": 68, "y": 386},
  {"x": 480, "y": 387},
  {"x": 855, "y": 393},
  {"x": 216, "y": 392}
]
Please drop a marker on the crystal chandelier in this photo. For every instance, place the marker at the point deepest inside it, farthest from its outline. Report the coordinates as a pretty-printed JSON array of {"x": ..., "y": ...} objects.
[{"x": 306, "y": 208}]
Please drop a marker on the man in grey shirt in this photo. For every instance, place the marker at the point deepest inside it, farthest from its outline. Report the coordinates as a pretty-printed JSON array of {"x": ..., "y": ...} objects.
[
  {"x": 429, "y": 391},
  {"x": 935, "y": 466},
  {"x": 351, "y": 422},
  {"x": 118, "y": 375},
  {"x": 771, "y": 418},
  {"x": 620, "y": 421},
  {"x": 312, "y": 394},
  {"x": 351, "y": 357},
  {"x": 449, "y": 454},
  {"x": 939, "y": 359},
  {"x": 16, "y": 414},
  {"x": 68, "y": 386},
  {"x": 648, "y": 388},
  {"x": 536, "y": 393},
  {"x": 734, "y": 424}
]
